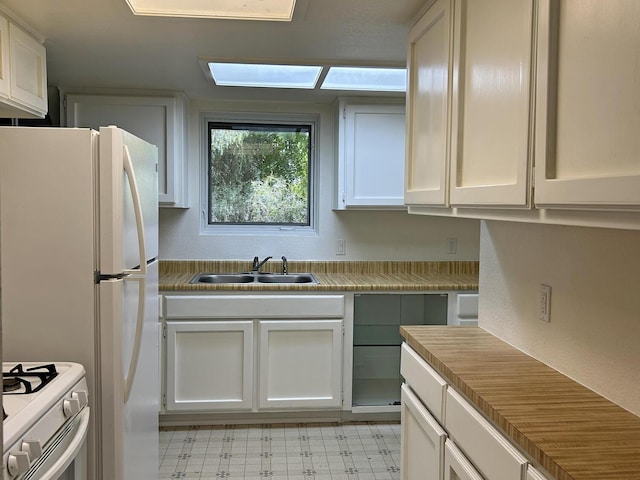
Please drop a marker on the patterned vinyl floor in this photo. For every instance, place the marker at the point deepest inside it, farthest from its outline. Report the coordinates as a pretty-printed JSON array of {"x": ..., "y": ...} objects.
[{"x": 322, "y": 451}]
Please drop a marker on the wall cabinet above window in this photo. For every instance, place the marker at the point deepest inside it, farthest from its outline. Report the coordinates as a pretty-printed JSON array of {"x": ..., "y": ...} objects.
[
  {"x": 23, "y": 73},
  {"x": 370, "y": 154},
  {"x": 160, "y": 120}
]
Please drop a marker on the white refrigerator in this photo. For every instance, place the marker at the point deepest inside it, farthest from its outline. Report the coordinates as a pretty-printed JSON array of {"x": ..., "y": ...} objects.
[{"x": 78, "y": 255}]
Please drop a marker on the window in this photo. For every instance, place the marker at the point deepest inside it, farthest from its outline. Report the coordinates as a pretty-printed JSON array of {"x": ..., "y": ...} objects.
[
  {"x": 259, "y": 173},
  {"x": 357, "y": 78}
]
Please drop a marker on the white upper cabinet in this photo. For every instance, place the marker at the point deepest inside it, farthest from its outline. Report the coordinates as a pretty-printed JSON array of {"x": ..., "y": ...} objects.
[
  {"x": 491, "y": 103},
  {"x": 588, "y": 105},
  {"x": 4, "y": 58},
  {"x": 371, "y": 142},
  {"x": 469, "y": 104},
  {"x": 23, "y": 73},
  {"x": 160, "y": 120},
  {"x": 429, "y": 66}
]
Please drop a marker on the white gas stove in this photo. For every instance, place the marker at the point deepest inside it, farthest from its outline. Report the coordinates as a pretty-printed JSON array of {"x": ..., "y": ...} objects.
[{"x": 45, "y": 420}]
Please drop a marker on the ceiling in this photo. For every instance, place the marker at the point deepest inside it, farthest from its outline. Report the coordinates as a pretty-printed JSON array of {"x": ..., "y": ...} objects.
[{"x": 101, "y": 44}]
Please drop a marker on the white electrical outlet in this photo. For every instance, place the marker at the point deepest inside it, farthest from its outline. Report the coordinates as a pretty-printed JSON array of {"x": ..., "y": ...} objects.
[
  {"x": 544, "y": 303},
  {"x": 452, "y": 245},
  {"x": 341, "y": 247}
]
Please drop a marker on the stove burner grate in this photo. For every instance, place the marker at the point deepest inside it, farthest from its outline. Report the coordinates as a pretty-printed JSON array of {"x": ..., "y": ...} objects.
[{"x": 19, "y": 381}]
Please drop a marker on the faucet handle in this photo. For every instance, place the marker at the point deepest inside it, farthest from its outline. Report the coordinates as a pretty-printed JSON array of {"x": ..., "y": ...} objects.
[
  {"x": 284, "y": 265},
  {"x": 256, "y": 262}
]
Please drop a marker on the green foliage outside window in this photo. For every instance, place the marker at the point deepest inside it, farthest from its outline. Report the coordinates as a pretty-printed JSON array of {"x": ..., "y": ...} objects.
[{"x": 259, "y": 173}]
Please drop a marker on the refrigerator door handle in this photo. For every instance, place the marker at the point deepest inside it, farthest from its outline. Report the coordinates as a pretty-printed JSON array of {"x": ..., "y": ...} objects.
[
  {"x": 137, "y": 207},
  {"x": 137, "y": 341}
]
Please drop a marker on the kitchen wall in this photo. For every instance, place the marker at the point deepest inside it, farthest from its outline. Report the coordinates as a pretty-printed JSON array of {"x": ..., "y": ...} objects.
[
  {"x": 369, "y": 235},
  {"x": 595, "y": 301}
]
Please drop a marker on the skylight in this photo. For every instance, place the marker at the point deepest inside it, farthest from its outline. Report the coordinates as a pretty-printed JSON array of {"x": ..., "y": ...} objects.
[
  {"x": 373, "y": 79},
  {"x": 278, "y": 10},
  {"x": 262, "y": 75},
  {"x": 366, "y": 78}
]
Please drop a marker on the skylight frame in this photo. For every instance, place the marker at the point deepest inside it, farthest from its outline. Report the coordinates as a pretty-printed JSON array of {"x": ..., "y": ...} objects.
[{"x": 268, "y": 10}]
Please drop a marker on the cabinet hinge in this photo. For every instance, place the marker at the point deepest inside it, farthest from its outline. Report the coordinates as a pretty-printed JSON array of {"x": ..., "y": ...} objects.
[
  {"x": 164, "y": 400},
  {"x": 344, "y": 113},
  {"x": 164, "y": 331},
  {"x": 533, "y": 177}
]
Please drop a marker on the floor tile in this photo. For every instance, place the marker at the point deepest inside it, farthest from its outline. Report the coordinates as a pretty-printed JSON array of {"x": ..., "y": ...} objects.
[{"x": 353, "y": 451}]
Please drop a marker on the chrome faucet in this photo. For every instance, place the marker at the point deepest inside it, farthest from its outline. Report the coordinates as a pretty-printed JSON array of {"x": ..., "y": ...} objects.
[
  {"x": 257, "y": 264},
  {"x": 285, "y": 269}
]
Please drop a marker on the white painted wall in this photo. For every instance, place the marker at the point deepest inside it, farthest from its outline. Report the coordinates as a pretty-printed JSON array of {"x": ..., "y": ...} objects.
[
  {"x": 595, "y": 302},
  {"x": 370, "y": 235}
]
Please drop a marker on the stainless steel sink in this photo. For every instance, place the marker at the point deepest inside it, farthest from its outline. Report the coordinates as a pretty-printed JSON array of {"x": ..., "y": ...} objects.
[
  {"x": 222, "y": 278},
  {"x": 253, "y": 277},
  {"x": 288, "y": 278}
]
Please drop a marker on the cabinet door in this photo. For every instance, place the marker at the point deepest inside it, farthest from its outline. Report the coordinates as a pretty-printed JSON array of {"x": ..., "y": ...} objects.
[
  {"x": 5, "y": 88},
  {"x": 490, "y": 152},
  {"x": 209, "y": 365},
  {"x": 422, "y": 441},
  {"x": 300, "y": 364},
  {"x": 588, "y": 98},
  {"x": 158, "y": 120},
  {"x": 374, "y": 139},
  {"x": 428, "y": 107},
  {"x": 28, "y": 60},
  {"x": 456, "y": 465}
]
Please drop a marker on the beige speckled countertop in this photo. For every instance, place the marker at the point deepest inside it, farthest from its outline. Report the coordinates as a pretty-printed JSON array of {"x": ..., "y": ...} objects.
[
  {"x": 570, "y": 430},
  {"x": 332, "y": 276}
]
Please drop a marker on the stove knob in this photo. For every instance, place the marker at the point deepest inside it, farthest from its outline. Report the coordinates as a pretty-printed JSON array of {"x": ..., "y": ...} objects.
[
  {"x": 82, "y": 397},
  {"x": 18, "y": 463},
  {"x": 33, "y": 448},
  {"x": 70, "y": 406}
]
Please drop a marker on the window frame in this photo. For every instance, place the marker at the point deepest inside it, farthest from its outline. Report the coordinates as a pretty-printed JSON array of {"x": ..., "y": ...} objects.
[{"x": 260, "y": 118}]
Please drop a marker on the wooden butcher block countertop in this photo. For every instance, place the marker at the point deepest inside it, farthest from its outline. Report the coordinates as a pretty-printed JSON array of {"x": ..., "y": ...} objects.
[
  {"x": 570, "y": 430},
  {"x": 332, "y": 276}
]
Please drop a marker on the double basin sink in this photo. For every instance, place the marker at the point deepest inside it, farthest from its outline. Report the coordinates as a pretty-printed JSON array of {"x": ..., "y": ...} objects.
[{"x": 253, "y": 277}]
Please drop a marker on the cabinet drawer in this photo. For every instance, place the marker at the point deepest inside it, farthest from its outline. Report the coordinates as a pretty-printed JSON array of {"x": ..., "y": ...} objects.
[
  {"x": 430, "y": 387},
  {"x": 485, "y": 446},
  {"x": 254, "y": 306}
]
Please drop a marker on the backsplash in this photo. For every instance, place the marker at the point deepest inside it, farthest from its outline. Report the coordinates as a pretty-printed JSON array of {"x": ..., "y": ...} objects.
[{"x": 361, "y": 267}]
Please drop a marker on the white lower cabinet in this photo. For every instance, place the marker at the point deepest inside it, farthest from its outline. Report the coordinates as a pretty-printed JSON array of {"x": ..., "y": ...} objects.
[
  {"x": 433, "y": 411},
  {"x": 456, "y": 465},
  {"x": 252, "y": 352},
  {"x": 422, "y": 441},
  {"x": 300, "y": 364},
  {"x": 209, "y": 365}
]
